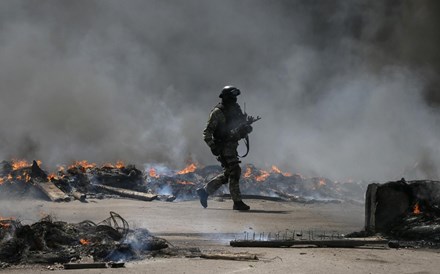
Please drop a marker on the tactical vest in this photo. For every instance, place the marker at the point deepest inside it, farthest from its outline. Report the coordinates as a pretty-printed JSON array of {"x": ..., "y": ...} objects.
[{"x": 233, "y": 116}]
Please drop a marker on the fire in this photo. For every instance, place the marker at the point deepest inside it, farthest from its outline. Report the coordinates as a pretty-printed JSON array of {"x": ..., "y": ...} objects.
[
  {"x": 277, "y": 170},
  {"x": 248, "y": 172},
  {"x": 52, "y": 176},
  {"x": 185, "y": 182},
  {"x": 119, "y": 164},
  {"x": 2, "y": 180},
  {"x": 416, "y": 209},
  {"x": 321, "y": 182},
  {"x": 84, "y": 241},
  {"x": 153, "y": 173},
  {"x": 263, "y": 176},
  {"x": 17, "y": 164},
  {"x": 84, "y": 164},
  {"x": 190, "y": 168},
  {"x": 4, "y": 222},
  {"x": 4, "y": 225}
]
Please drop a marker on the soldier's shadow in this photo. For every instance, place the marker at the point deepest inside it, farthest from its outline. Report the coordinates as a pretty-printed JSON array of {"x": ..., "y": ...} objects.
[
  {"x": 254, "y": 211},
  {"x": 265, "y": 211}
]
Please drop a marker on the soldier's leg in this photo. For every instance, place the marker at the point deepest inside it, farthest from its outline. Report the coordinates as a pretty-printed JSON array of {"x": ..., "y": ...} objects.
[
  {"x": 212, "y": 186},
  {"x": 234, "y": 181},
  {"x": 234, "y": 188}
]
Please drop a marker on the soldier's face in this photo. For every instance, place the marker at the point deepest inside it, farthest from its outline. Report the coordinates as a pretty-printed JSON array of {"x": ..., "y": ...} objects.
[{"x": 229, "y": 99}]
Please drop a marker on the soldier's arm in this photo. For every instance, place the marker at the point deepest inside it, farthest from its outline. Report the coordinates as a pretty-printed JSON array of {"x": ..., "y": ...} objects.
[{"x": 214, "y": 119}]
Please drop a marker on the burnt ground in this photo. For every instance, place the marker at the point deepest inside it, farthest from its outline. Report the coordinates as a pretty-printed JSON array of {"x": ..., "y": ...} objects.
[{"x": 186, "y": 224}]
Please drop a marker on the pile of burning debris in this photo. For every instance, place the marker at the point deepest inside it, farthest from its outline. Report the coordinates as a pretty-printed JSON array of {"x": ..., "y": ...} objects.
[
  {"x": 48, "y": 241},
  {"x": 81, "y": 179}
]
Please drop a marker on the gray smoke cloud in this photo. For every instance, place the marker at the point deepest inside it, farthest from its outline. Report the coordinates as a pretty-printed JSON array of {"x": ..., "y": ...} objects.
[{"x": 346, "y": 89}]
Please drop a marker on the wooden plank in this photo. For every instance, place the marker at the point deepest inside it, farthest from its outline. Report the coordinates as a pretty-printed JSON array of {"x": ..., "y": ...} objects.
[
  {"x": 234, "y": 257},
  {"x": 341, "y": 243},
  {"x": 79, "y": 196},
  {"x": 51, "y": 191},
  {"x": 84, "y": 265},
  {"x": 128, "y": 193}
]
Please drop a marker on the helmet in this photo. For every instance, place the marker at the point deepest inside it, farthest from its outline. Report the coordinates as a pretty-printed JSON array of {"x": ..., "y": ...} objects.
[{"x": 229, "y": 91}]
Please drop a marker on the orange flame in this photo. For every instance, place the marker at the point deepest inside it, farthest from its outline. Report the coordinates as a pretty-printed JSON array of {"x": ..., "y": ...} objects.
[
  {"x": 6, "y": 219},
  {"x": 277, "y": 170},
  {"x": 321, "y": 182},
  {"x": 17, "y": 164},
  {"x": 4, "y": 225},
  {"x": 153, "y": 173},
  {"x": 52, "y": 176},
  {"x": 263, "y": 176},
  {"x": 84, "y": 241},
  {"x": 248, "y": 172},
  {"x": 2, "y": 180},
  {"x": 119, "y": 164},
  {"x": 190, "y": 168},
  {"x": 416, "y": 209},
  {"x": 84, "y": 164},
  {"x": 4, "y": 222}
]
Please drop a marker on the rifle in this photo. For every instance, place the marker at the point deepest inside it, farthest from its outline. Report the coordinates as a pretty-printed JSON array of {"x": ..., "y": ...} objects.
[{"x": 242, "y": 131}]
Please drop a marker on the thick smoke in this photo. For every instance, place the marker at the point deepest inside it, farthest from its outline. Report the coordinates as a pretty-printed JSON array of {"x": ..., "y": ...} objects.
[{"x": 346, "y": 89}]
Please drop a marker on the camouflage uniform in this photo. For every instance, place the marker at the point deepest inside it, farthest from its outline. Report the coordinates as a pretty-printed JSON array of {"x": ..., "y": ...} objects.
[{"x": 217, "y": 133}]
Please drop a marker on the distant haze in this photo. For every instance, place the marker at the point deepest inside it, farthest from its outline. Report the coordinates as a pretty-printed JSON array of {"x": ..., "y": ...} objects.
[{"x": 346, "y": 89}]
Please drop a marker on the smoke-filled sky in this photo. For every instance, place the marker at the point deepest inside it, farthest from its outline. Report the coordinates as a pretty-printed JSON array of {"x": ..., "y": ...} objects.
[{"x": 346, "y": 89}]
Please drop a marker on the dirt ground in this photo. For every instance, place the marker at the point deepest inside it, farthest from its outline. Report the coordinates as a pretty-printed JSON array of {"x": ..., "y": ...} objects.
[{"x": 187, "y": 224}]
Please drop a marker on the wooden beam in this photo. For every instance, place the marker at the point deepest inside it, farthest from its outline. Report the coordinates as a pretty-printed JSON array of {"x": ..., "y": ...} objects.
[
  {"x": 51, "y": 191},
  {"x": 234, "y": 257},
  {"x": 84, "y": 265},
  {"x": 128, "y": 193},
  {"x": 79, "y": 196}
]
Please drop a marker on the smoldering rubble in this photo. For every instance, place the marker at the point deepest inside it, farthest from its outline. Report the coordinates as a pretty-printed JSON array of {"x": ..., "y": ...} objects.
[
  {"x": 404, "y": 213},
  {"x": 49, "y": 241},
  {"x": 83, "y": 179}
]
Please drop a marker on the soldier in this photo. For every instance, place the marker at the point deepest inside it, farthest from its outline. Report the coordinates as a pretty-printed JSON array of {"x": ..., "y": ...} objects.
[{"x": 226, "y": 126}]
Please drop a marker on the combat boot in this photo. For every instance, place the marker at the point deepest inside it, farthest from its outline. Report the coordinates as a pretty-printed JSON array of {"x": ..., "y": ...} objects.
[
  {"x": 203, "y": 196},
  {"x": 240, "y": 206}
]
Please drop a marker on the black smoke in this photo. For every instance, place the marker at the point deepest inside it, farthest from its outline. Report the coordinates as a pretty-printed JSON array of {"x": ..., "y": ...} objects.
[{"x": 346, "y": 89}]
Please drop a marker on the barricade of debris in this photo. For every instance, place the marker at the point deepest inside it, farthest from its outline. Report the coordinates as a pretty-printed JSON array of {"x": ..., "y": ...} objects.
[
  {"x": 82, "y": 180},
  {"x": 48, "y": 241},
  {"x": 408, "y": 213}
]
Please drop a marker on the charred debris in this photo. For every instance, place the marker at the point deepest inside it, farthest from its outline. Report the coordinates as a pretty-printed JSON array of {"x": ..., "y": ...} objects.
[
  {"x": 83, "y": 180},
  {"x": 406, "y": 213},
  {"x": 49, "y": 241}
]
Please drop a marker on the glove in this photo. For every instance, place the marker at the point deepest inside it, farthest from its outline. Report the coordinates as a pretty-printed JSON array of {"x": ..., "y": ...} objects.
[
  {"x": 245, "y": 130},
  {"x": 215, "y": 150},
  {"x": 248, "y": 129}
]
